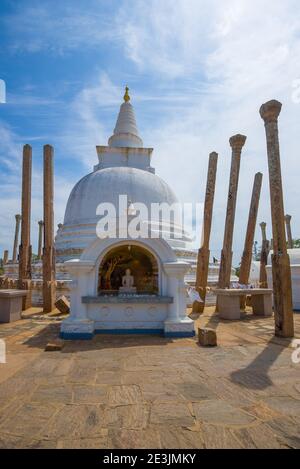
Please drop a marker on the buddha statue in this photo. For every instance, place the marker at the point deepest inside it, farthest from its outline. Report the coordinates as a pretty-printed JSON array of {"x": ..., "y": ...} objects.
[{"x": 127, "y": 283}]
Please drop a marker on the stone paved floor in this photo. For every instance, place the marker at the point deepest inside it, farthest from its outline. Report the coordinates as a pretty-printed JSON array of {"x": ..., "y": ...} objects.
[{"x": 150, "y": 392}]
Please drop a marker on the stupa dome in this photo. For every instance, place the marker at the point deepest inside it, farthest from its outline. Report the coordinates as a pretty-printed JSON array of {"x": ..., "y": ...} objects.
[{"x": 105, "y": 185}]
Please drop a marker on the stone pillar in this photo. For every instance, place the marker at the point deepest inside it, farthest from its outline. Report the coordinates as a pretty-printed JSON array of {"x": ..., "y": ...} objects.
[
  {"x": 25, "y": 250},
  {"x": 48, "y": 251},
  {"x": 247, "y": 253},
  {"x": 204, "y": 252},
  {"x": 265, "y": 249},
  {"x": 16, "y": 240},
  {"x": 5, "y": 257},
  {"x": 41, "y": 226},
  {"x": 281, "y": 270},
  {"x": 263, "y": 227},
  {"x": 287, "y": 219},
  {"x": 236, "y": 142}
]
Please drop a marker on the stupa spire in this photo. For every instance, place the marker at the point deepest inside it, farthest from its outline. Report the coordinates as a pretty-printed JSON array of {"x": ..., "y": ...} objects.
[
  {"x": 126, "y": 132},
  {"x": 126, "y": 95}
]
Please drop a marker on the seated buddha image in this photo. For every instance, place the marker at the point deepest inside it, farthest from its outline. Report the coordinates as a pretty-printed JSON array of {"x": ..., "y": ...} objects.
[{"x": 127, "y": 283}]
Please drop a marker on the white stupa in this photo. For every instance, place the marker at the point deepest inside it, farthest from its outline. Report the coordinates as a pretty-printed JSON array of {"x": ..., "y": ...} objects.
[
  {"x": 124, "y": 168},
  {"x": 153, "y": 268}
]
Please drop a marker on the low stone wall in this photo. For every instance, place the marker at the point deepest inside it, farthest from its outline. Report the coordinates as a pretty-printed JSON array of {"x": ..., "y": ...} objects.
[{"x": 10, "y": 280}]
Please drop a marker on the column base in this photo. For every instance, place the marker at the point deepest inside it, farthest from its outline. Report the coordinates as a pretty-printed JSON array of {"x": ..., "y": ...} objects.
[
  {"x": 282, "y": 296},
  {"x": 77, "y": 329},
  {"x": 262, "y": 305},
  {"x": 229, "y": 307},
  {"x": 179, "y": 328}
]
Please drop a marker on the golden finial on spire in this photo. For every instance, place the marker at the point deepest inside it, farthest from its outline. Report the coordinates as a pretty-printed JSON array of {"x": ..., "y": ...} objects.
[{"x": 126, "y": 95}]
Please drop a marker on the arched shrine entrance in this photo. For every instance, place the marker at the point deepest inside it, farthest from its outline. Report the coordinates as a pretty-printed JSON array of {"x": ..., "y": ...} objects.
[{"x": 141, "y": 263}]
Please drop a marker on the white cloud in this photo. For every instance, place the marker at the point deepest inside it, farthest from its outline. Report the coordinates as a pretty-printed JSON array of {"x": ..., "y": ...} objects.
[
  {"x": 86, "y": 125},
  {"x": 30, "y": 100},
  {"x": 170, "y": 37},
  {"x": 36, "y": 26}
]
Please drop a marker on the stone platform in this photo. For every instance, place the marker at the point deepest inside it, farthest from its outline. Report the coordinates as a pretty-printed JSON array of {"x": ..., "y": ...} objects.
[
  {"x": 150, "y": 391},
  {"x": 229, "y": 301},
  {"x": 11, "y": 305}
]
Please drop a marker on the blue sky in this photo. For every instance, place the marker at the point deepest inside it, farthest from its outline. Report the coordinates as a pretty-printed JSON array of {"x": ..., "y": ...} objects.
[{"x": 198, "y": 71}]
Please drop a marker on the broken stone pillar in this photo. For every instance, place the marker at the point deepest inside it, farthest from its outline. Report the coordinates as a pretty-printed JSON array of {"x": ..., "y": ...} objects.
[
  {"x": 207, "y": 337},
  {"x": 48, "y": 251},
  {"x": 63, "y": 305},
  {"x": 236, "y": 142},
  {"x": 247, "y": 253},
  {"x": 16, "y": 240},
  {"x": 41, "y": 226},
  {"x": 263, "y": 227},
  {"x": 5, "y": 257},
  {"x": 25, "y": 250},
  {"x": 281, "y": 270},
  {"x": 287, "y": 219},
  {"x": 265, "y": 249},
  {"x": 204, "y": 253}
]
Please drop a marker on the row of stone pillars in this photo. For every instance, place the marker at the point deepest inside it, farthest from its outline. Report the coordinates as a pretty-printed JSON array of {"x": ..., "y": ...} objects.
[
  {"x": 45, "y": 227},
  {"x": 16, "y": 241},
  {"x": 281, "y": 272}
]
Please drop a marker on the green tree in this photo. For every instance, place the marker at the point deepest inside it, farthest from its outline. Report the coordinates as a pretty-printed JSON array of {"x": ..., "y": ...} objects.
[{"x": 296, "y": 243}]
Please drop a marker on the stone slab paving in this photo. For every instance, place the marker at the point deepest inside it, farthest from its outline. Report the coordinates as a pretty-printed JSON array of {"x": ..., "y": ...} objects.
[{"x": 148, "y": 391}]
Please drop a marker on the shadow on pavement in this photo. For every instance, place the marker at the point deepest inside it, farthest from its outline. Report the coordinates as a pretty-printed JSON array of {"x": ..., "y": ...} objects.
[{"x": 255, "y": 375}]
